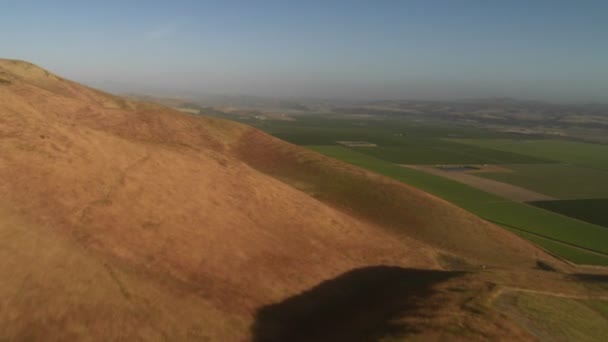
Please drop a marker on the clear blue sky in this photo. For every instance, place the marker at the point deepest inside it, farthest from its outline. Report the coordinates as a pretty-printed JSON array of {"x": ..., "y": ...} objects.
[{"x": 553, "y": 49}]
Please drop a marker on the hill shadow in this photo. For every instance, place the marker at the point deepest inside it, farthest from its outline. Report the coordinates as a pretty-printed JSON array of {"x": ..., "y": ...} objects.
[
  {"x": 591, "y": 278},
  {"x": 360, "y": 305},
  {"x": 594, "y": 280}
]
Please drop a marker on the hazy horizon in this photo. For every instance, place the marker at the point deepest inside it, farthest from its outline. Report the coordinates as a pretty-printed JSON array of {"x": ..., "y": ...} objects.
[{"x": 545, "y": 50}]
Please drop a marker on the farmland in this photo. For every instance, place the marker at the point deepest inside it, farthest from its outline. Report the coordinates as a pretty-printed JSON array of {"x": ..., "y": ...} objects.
[
  {"x": 402, "y": 141},
  {"x": 590, "y": 210},
  {"x": 566, "y": 181},
  {"x": 576, "y": 153},
  {"x": 522, "y": 217},
  {"x": 434, "y": 151}
]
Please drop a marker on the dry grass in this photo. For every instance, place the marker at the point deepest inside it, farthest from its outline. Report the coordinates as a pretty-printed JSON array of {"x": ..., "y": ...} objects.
[
  {"x": 127, "y": 220},
  {"x": 552, "y": 318},
  {"x": 157, "y": 192}
]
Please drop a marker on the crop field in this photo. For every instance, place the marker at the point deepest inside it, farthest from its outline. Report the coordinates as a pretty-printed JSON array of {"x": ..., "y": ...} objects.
[
  {"x": 399, "y": 141},
  {"x": 589, "y": 210},
  {"x": 571, "y": 253},
  {"x": 562, "y": 181},
  {"x": 583, "y": 154},
  {"x": 326, "y": 129},
  {"x": 403, "y": 141},
  {"x": 570, "y": 238},
  {"x": 468, "y": 175},
  {"x": 546, "y": 224},
  {"x": 436, "y": 151}
]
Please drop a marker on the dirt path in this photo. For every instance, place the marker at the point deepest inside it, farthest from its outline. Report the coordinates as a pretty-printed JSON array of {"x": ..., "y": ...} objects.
[{"x": 509, "y": 191}]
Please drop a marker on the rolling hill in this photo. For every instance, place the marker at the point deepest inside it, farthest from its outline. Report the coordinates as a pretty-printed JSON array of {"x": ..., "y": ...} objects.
[{"x": 128, "y": 220}]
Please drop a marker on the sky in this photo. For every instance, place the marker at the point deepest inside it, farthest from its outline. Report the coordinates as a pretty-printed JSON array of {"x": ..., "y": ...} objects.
[{"x": 544, "y": 49}]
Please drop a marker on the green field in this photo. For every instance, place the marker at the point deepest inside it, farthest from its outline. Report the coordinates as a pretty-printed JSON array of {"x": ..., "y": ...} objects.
[
  {"x": 562, "y": 181},
  {"x": 557, "y": 230},
  {"x": 583, "y": 154},
  {"x": 571, "y": 253},
  {"x": 589, "y": 210},
  {"x": 399, "y": 141},
  {"x": 437, "y": 151},
  {"x": 326, "y": 129}
]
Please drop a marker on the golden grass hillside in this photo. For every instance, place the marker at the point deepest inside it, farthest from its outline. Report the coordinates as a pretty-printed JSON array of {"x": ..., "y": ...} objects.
[{"x": 128, "y": 220}]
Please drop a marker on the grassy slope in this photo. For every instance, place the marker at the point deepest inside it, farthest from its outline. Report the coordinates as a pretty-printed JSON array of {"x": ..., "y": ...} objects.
[
  {"x": 157, "y": 192},
  {"x": 554, "y": 318},
  {"x": 600, "y": 306},
  {"x": 53, "y": 289},
  {"x": 394, "y": 205},
  {"x": 170, "y": 232},
  {"x": 589, "y": 210},
  {"x": 489, "y": 206},
  {"x": 566, "y": 181}
]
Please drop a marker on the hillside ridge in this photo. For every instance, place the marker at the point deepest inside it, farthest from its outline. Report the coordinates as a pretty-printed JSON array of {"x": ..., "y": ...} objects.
[{"x": 184, "y": 226}]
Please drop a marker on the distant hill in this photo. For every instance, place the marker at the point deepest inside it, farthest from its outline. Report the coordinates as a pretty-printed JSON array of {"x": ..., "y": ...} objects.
[
  {"x": 243, "y": 102},
  {"x": 122, "y": 219},
  {"x": 579, "y": 121}
]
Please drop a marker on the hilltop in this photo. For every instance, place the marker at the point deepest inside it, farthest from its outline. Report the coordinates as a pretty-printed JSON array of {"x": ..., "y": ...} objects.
[{"x": 126, "y": 219}]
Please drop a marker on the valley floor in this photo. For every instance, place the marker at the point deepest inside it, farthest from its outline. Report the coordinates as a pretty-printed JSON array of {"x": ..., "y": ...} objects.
[{"x": 512, "y": 192}]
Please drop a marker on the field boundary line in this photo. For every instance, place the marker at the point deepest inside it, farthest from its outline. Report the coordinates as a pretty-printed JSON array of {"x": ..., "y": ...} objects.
[{"x": 549, "y": 238}]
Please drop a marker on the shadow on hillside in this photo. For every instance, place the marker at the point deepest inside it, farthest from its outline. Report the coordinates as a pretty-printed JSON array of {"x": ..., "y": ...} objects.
[
  {"x": 360, "y": 305},
  {"x": 593, "y": 281},
  {"x": 592, "y": 278}
]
